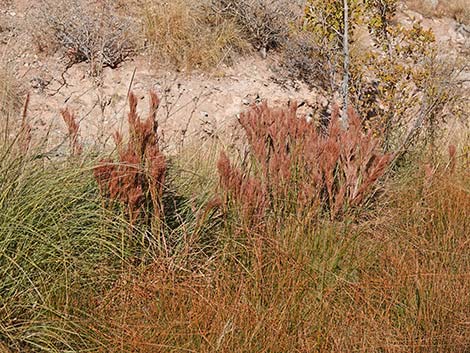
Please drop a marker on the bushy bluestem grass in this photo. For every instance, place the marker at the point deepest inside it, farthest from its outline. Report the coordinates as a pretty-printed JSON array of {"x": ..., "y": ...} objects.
[
  {"x": 394, "y": 281},
  {"x": 76, "y": 276},
  {"x": 296, "y": 167}
]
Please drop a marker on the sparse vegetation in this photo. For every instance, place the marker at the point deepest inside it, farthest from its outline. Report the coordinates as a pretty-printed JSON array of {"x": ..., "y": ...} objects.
[
  {"x": 85, "y": 31},
  {"x": 265, "y": 23},
  {"x": 190, "y": 34},
  {"x": 83, "y": 274},
  {"x": 10, "y": 97},
  {"x": 403, "y": 82},
  {"x": 312, "y": 236}
]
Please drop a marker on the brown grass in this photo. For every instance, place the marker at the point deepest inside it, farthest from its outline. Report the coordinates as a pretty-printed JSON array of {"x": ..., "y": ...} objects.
[
  {"x": 394, "y": 280},
  {"x": 395, "y": 283},
  {"x": 137, "y": 179},
  {"x": 299, "y": 168},
  {"x": 73, "y": 126},
  {"x": 189, "y": 35}
]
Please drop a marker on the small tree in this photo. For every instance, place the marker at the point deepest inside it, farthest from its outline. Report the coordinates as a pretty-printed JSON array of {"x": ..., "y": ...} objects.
[
  {"x": 400, "y": 79},
  {"x": 330, "y": 21}
]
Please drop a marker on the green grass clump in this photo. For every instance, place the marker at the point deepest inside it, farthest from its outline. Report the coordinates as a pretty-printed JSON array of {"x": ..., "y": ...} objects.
[{"x": 58, "y": 249}]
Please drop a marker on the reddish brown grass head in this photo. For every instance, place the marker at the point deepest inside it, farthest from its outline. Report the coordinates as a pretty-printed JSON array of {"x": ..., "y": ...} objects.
[
  {"x": 298, "y": 168},
  {"x": 73, "y": 126},
  {"x": 136, "y": 180}
]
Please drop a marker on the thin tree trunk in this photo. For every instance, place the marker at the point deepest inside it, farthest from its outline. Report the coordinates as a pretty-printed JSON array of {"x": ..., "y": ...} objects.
[{"x": 344, "y": 115}]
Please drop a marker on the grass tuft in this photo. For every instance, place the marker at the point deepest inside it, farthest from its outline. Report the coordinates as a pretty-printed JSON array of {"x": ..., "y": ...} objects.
[
  {"x": 190, "y": 35},
  {"x": 58, "y": 249}
]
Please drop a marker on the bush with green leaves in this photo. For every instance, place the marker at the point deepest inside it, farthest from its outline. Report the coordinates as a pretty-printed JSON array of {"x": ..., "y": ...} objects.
[{"x": 400, "y": 80}]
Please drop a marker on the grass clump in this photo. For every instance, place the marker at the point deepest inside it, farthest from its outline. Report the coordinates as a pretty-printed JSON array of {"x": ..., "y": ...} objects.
[
  {"x": 79, "y": 276},
  {"x": 147, "y": 252},
  {"x": 190, "y": 35},
  {"x": 297, "y": 168},
  {"x": 136, "y": 181},
  {"x": 59, "y": 248},
  {"x": 394, "y": 282}
]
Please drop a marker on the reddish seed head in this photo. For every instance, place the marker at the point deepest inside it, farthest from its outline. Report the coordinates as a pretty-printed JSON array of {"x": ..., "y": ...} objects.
[
  {"x": 73, "y": 126},
  {"x": 137, "y": 179},
  {"x": 300, "y": 166}
]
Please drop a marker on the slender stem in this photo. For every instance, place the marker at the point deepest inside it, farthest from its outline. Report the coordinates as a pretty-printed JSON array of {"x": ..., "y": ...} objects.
[{"x": 344, "y": 115}]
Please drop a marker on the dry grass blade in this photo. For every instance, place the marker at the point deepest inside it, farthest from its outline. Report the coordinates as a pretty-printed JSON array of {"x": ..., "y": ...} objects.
[
  {"x": 76, "y": 147},
  {"x": 189, "y": 35}
]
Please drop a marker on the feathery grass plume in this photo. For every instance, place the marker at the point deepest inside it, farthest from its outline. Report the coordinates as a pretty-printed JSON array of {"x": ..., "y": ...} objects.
[
  {"x": 76, "y": 147},
  {"x": 24, "y": 138},
  {"x": 299, "y": 169},
  {"x": 136, "y": 180},
  {"x": 452, "y": 157},
  {"x": 246, "y": 192}
]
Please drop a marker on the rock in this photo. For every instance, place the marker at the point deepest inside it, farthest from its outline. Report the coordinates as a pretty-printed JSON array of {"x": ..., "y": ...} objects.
[{"x": 432, "y": 3}]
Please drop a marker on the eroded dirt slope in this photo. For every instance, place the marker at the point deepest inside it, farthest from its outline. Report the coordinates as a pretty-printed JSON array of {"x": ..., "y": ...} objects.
[{"x": 198, "y": 106}]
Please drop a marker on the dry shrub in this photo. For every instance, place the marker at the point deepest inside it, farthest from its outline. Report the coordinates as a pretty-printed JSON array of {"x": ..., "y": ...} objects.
[
  {"x": 305, "y": 59},
  {"x": 265, "y": 22},
  {"x": 299, "y": 168},
  {"x": 136, "y": 180},
  {"x": 397, "y": 283},
  {"x": 86, "y": 30},
  {"x": 189, "y": 35}
]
